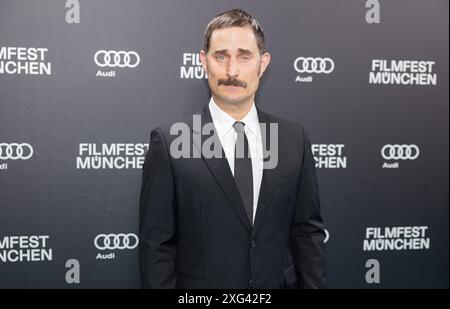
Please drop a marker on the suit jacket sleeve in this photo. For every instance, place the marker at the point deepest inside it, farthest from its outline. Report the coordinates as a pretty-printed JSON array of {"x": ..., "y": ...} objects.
[
  {"x": 157, "y": 217},
  {"x": 307, "y": 231}
]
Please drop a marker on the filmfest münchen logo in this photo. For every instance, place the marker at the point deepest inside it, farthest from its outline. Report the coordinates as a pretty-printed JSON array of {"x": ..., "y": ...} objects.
[
  {"x": 329, "y": 155},
  {"x": 191, "y": 67},
  {"x": 24, "y": 61},
  {"x": 25, "y": 248},
  {"x": 14, "y": 152},
  {"x": 307, "y": 67},
  {"x": 403, "y": 72},
  {"x": 396, "y": 238},
  {"x": 110, "y": 60},
  {"x": 111, "y": 156}
]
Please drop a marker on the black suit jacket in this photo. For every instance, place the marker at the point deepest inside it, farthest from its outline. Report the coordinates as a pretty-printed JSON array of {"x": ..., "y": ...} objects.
[{"x": 194, "y": 232}]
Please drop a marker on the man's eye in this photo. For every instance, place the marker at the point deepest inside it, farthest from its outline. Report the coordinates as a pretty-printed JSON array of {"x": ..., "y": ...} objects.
[{"x": 220, "y": 58}]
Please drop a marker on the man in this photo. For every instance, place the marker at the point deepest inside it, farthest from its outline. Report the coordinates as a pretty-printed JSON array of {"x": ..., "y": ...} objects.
[{"x": 231, "y": 220}]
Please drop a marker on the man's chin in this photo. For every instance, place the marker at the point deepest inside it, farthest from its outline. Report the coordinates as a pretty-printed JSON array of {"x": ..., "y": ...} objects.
[
  {"x": 233, "y": 98},
  {"x": 234, "y": 101}
]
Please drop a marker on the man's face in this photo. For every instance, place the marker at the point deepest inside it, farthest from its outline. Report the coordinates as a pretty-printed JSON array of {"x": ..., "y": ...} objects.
[{"x": 234, "y": 65}]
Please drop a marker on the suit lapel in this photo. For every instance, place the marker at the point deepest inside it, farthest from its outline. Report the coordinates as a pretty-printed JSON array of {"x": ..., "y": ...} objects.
[
  {"x": 221, "y": 172},
  {"x": 220, "y": 169},
  {"x": 268, "y": 179}
]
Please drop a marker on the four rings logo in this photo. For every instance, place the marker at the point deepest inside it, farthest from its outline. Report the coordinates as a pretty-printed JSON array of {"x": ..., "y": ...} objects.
[
  {"x": 15, "y": 151},
  {"x": 116, "y": 241},
  {"x": 114, "y": 59},
  {"x": 400, "y": 152},
  {"x": 313, "y": 65}
]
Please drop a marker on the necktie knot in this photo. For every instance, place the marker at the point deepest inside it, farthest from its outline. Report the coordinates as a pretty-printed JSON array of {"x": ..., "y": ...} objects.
[{"x": 239, "y": 127}]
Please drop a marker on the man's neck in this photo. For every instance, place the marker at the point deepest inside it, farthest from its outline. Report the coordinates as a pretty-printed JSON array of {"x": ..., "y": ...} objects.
[{"x": 237, "y": 111}]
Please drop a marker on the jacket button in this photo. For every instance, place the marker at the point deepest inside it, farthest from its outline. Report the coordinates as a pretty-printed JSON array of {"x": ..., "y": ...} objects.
[{"x": 253, "y": 244}]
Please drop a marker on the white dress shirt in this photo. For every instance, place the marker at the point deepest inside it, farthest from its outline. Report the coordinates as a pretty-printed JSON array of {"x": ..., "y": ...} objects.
[{"x": 227, "y": 135}]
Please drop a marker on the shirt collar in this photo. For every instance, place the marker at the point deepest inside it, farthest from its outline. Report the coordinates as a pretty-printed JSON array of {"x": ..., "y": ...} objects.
[{"x": 224, "y": 122}]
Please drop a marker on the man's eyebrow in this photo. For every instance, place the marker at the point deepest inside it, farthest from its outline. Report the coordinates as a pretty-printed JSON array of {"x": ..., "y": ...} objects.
[
  {"x": 245, "y": 51},
  {"x": 240, "y": 51},
  {"x": 220, "y": 51}
]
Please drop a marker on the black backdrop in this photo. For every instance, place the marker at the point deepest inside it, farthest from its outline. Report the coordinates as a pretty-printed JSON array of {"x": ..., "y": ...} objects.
[{"x": 368, "y": 79}]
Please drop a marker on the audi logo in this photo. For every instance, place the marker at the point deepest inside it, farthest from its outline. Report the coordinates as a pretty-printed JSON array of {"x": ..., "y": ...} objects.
[
  {"x": 327, "y": 237},
  {"x": 116, "y": 241},
  {"x": 121, "y": 59},
  {"x": 313, "y": 65},
  {"x": 400, "y": 152},
  {"x": 15, "y": 151}
]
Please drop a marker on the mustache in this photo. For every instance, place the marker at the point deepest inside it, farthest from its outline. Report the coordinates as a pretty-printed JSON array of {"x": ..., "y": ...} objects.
[{"x": 232, "y": 82}]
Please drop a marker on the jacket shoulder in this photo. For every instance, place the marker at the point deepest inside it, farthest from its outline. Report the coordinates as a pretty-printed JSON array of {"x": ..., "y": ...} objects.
[
  {"x": 286, "y": 125},
  {"x": 184, "y": 123}
]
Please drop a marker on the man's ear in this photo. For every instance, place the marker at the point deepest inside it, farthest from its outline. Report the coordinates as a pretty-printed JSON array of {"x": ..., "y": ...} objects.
[
  {"x": 265, "y": 60},
  {"x": 203, "y": 59}
]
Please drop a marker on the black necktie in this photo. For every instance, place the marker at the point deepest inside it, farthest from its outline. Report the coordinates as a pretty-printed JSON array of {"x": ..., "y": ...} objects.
[{"x": 243, "y": 173}]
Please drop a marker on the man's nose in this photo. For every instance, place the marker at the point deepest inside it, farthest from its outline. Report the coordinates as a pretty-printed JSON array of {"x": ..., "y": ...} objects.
[{"x": 233, "y": 68}]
